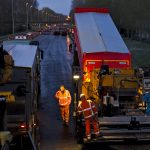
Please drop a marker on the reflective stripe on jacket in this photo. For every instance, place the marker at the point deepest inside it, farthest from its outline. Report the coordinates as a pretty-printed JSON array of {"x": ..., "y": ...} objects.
[
  {"x": 87, "y": 108},
  {"x": 64, "y": 98}
]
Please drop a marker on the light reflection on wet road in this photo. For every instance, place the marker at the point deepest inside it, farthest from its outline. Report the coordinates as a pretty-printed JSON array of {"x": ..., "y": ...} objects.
[{"x": 56, "y": 70}]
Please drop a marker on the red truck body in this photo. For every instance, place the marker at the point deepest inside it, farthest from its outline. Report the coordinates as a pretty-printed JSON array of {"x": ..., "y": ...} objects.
[{"x": 98, "y": 40}]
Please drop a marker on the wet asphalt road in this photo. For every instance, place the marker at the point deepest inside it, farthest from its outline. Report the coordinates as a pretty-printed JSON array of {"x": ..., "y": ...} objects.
[{"x": 56, "y": 70}]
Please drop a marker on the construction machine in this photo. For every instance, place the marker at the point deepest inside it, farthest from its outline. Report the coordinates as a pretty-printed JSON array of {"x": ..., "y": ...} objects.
[
  {"x": 108, "y": 78},
  {"x": 19, "y": 89},
  {"x": 6, "y": 67}
]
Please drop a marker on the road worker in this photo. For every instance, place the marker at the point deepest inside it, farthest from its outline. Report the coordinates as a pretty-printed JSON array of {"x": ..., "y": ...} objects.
[
  {"x": 64, "y": 98},
  {"x": 89, "y": 111}
]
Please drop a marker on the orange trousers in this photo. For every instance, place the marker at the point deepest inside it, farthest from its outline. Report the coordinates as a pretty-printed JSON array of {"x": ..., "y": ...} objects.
[
  {"x": 91, "y": 121},
  {"x": 64, "y": 110}
]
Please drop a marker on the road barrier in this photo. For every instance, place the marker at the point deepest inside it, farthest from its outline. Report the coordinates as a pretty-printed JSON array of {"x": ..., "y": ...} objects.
[{"x": 5, "y": 37}]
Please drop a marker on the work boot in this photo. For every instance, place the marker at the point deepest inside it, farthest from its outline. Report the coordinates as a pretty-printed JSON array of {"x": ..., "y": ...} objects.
[
  {"x": 98, "y": 135},
  {"x": 88, "y": 138},
  {"x": 66, "y": 124},
  {"x": 95, "y": 137}
]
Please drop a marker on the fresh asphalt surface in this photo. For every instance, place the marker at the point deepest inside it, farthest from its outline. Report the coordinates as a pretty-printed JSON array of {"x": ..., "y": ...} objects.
[{"x": 55, "y": 71}]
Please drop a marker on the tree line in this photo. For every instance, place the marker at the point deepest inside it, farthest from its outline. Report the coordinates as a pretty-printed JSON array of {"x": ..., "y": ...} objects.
[
  {"x": 132, "y": 17},
  {"x": 21, "y": 10}
]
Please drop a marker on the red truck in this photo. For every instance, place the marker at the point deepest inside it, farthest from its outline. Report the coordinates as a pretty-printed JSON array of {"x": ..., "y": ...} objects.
[
  {"x": 108, "y": 78},
  {"x": 98, "y": 40}
]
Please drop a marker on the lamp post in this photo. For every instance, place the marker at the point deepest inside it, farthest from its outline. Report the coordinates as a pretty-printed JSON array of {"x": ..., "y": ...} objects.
[
  {"x": 38, "y": 16},
  {"x": 46, "y": 17},
  {"x": 13, "y": 20},
  {"x": 43, "y": 16},
  {"x": 31, "y": 13},
  {"x": 76, "y": 78},
  {"x": 27, "y": 13}
]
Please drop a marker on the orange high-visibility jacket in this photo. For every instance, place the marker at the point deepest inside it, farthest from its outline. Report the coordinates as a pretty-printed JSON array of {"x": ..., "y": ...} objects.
[
  {"x": 64, "y": 98},
  {"x": 87, "y": 108}
]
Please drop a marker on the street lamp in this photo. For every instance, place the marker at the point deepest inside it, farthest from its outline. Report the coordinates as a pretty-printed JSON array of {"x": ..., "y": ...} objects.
[
  {"x": 38, "y": 15},
  {"x": 43, "y": 15},
  {"x": 68, "y": 18},
  {"x": 31, "y": 13},
  {"x": 27, "y": 16},
  {"x": 76, "y": 78},
  {"x": 13, "y": 20},
  {"x": 46, "y": 17}
]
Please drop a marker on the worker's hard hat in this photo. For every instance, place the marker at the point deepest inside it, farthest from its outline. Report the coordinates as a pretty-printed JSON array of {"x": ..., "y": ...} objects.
[
  {"x": 81, "y": 95},
  {"x": 62, "y": 86}
]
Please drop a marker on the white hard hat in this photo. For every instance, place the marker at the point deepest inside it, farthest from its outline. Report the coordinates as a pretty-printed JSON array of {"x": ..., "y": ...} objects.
[{"x": 81, "y": 95}]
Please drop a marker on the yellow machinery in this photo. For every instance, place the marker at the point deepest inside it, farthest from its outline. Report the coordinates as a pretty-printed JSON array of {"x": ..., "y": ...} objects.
[
  {"x": 116, "y": 89},
  {"x": 9, "y": 96},
  {"x": 116, "y": 80},
  {"x": 122, "y": 113},
  {"x": 6, "y": 68}
]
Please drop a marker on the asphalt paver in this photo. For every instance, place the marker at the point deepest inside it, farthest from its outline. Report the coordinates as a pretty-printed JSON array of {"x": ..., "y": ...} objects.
[{"x": 55, "y": 71}]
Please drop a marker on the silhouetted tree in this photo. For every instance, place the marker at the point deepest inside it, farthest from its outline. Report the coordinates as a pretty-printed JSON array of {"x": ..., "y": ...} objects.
[{"x": 130, "y": 16}]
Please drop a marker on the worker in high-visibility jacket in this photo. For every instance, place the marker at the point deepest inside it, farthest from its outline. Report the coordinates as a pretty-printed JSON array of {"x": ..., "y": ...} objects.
[
  {"x": 64, "y": 99},
  {"x": 89, "y": 111}
]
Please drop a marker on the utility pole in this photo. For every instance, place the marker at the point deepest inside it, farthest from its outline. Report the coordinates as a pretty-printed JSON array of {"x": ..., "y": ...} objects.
[
  {"x": 27, "y": 13},
  {"x": 13, "y": 21},
  {"x": 31, "y": 14}
]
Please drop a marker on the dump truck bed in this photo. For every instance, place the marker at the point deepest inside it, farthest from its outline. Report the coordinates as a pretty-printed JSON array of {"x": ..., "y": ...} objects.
[{"x": 98, "y": 40}]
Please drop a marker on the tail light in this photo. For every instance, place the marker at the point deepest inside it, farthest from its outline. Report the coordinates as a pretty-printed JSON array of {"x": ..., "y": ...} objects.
[{"x": 22, "y": 126}]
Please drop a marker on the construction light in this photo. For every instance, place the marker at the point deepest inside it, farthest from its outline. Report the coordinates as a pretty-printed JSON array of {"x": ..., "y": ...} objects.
[{"x": 76, "y": 77}]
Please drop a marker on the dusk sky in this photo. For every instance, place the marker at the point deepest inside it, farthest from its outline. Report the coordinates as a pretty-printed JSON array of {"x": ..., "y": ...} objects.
[{"x": 60, "y": 6}]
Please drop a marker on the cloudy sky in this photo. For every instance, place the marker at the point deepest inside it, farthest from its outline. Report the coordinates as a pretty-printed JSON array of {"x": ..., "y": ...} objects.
[{"x": 60, "y": 6}]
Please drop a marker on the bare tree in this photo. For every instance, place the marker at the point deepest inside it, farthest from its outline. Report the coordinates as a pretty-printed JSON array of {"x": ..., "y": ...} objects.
[{"x": 130, "y": 16}]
